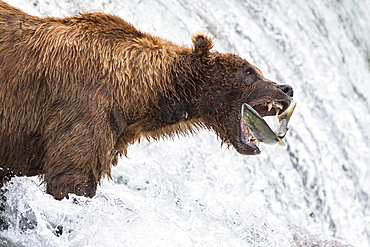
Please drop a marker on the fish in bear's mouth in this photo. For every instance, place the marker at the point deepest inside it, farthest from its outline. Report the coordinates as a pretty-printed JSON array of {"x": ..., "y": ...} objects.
[{"x": 254, "y": 129}]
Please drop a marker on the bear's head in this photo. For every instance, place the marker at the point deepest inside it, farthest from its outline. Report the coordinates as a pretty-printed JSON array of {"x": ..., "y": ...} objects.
[{"x": 228, "y": 81}]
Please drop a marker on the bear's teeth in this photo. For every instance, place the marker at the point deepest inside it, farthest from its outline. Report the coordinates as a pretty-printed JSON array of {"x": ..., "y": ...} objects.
[
  {"x": 269, "y": 106},
  {"x": 278, "y": 105},
  {"x": 273, "y": 104},
  {"x": 277, "y": 111},
  {"x": 255, "y": 142}
]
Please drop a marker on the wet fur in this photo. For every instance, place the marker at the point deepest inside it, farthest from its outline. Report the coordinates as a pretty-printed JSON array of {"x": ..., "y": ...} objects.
[{"x": 75, "y": 92}]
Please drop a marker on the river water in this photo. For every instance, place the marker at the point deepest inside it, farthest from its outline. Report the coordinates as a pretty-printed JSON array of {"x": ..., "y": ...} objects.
[{"x": 189, "y": 191}]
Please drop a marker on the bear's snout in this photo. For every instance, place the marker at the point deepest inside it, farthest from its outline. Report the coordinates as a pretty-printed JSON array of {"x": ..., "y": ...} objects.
[{"x": 286, "y": 89}]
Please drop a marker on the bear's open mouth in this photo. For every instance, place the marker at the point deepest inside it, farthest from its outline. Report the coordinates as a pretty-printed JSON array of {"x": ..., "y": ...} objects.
[{"x": 253, "y": 128}]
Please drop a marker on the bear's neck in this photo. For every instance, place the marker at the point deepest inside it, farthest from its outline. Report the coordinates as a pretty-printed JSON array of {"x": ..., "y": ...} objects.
[
  {"x": 170, "y": 106},
  {"x": 157, "y": 78}
]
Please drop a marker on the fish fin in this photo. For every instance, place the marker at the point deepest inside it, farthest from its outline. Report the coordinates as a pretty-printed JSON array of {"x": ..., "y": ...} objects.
[{"x": 281, "y": 142}]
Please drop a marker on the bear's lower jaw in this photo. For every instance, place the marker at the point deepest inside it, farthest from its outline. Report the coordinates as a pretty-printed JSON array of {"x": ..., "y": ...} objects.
[{"x": 248, "y": 140}]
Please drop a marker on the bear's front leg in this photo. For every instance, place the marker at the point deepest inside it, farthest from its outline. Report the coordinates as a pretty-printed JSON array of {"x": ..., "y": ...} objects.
[
  {"x": 78, "y": 150},
  {"x": 60, "y": 184},
  {"x": 71, "y": 166}
]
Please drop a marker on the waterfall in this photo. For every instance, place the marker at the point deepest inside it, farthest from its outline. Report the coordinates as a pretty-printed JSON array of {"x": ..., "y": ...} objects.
[{"x": 189, "y": 191}]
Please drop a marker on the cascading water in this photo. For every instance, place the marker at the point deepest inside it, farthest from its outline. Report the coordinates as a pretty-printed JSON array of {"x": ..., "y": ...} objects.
[{"x": 189, "y": 191}]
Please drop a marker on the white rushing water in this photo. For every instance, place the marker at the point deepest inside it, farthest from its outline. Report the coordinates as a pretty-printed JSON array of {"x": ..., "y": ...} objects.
[{"x": 189, "y": 191}]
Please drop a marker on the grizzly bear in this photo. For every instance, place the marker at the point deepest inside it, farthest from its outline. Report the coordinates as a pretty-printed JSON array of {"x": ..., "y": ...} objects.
[{"x": 75, "y": 92}]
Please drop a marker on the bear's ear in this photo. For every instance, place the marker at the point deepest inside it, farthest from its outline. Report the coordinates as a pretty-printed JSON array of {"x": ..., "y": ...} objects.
[{"x": 202, "y": 44}]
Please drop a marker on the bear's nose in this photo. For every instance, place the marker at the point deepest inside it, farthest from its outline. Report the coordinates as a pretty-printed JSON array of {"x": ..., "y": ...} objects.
[{"x": 286, "y": 89}]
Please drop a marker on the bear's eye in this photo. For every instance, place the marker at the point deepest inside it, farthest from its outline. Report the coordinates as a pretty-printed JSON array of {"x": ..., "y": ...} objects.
[
  {"x": 247, "y": 76},
  {"x": 249, "y": 71}
]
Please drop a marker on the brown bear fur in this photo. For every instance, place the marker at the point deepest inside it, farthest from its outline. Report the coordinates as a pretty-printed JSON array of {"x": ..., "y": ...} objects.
[{"x": 75, "y": 92}]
